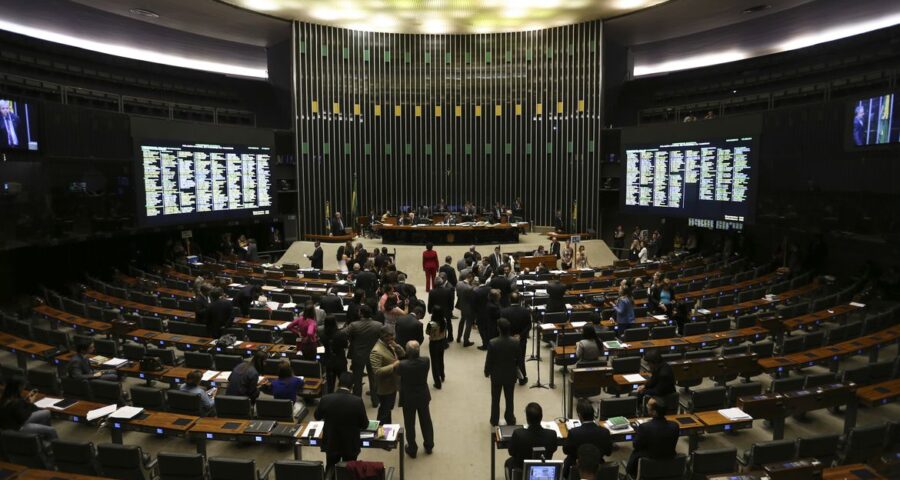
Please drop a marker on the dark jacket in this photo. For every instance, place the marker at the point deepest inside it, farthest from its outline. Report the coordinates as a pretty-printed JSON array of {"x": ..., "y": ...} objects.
[
  {"x": 654, "y": 439},
  {"x": 14, "y": 413},
  {"x": 519, "y": 320},
  {"x": 587, "y": 433},
  {"x": 414, "y": 381},
  {"x": 525, "y": 439},
  {"x": 331, "y": 304},
  {"x": 450, "y": 272},
  {"x": 492, "y": 314},
  {"x": 345, "y": 416},
  {"x": 243, "y": 381},
  {"x": 315, "y": 260},
  {"x": 368, "y": 282},
  {"x": 556, "y": 291},
  {"x": 478, "y": 301},
  {"x": 408, "y": 328},
  {"x": 243, "y": 299},
  {"x": 79, "y": 367},
  {"x": 502, "y": 361},
  {"x": 442, "y": 297},
  {"x": 505, "y": 286},
  {"x": 662, "y": 381},
  {"x": 219, "y": 315},
  {"x": 363, "y": 334}
]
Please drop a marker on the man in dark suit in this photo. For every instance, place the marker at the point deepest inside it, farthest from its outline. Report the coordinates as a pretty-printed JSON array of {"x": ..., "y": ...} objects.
[
  {"x": 442, "y": 296},
  {"x": 331, "y": 304},
  {"x": 558, "y": 223},
  {"x": 464, "y": 291},
  {"x": 245, "y": 297},
  {"x": 662, "y": 378},
  {"x": 11, "y": 132},
  {"x": 415, "y": 397},
  {"x": 409, "y": 327},
  {"x": 363, "y": 335},
  {"x": 554, "y": 247},
  {"x": 362, "y": 256},
  {"x": 655, "y": 439},
  {"x": 219, "y": 314},
  {"x": 501, "y": 365},
  {"x": 520, "y": 325},
  {"x": 524, "y": 440},
  {"x": 337, "y": 224},
  {"x": 496, "y": 259},
  {"x": 367, "y": 281},
  {"x": 315, "y": 260},
  {"x": 588, "y": 433},
  {"x": 501, "y": 283},
  {"x": 252, "y": 253},
  {"x": 556, "y": 291},
  {"x": 447, "y": 269},
  {"x": 345, "y": 417},
  {"x": 201, "y": 303},
  {"x": 478, "y": 301}
]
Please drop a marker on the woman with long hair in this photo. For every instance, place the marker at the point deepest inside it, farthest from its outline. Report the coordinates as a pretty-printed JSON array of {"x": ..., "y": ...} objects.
[
  {"x": 17, "y": 412},
  {"x": 588, "y": 349}
]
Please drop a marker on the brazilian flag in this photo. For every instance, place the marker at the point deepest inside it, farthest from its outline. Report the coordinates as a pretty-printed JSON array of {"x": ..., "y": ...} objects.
[{"x": 354, "y": 211}]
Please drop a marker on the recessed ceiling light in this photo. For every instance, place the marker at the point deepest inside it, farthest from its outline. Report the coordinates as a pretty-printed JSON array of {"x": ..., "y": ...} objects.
[
  {"x": 144, "y": 12},
  {"x": 757, "y": 8}
]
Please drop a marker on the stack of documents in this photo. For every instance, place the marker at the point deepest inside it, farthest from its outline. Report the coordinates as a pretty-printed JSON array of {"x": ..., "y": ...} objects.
[
  {"x": 313, "y": 430},
  {"x": 101, "y": 412},
  {"x": 634, "y": 378},
  {"x": 115, "y": 362},
  {"x": 126, "y": 413},
  {"x": 573, "y": 423},
  {"x": 209, "y": 375},
  {"x": 735, "y": 414},
  {"x": 552, "y": 426}
]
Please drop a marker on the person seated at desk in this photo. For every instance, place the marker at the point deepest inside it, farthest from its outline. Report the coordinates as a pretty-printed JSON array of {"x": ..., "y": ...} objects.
[
  {"x": 588, "y": 349},
  {"x": 655, "y": 439},
  {"x": 244, "y": 379},
  {"x": 192, "y": 385},
  {"x": 344, "y": 415},
  {"x": 524, "y": 440},
  {"x": 588, "y": 462},
  {"x": 80, "y": 366},
  {"x": 287, "y": 385},
  {"x": 18, "y": 412},
  {"x": 624, "y": 308},
  {"x": 540, "y": 252},
  {"x": 662, "y": 379},
  {"x": 245, "y": 297},
  {"x": 556, "y": 292},
  {"x": 589, "y": 433}
]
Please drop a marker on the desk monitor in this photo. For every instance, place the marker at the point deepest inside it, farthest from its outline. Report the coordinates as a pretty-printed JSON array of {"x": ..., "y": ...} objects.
[{"x": 543, "y": 470}]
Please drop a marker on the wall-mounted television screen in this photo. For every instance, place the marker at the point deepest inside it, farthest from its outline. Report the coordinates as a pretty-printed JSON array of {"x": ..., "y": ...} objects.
[
  {"x": 17, "y": 125},
  {"x": 711, "y": 179},
  {"x": 875, "y": 121},
  {"x": 187, "y": 182}
]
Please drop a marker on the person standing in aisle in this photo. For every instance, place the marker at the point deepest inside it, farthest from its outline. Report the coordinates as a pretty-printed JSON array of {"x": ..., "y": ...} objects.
[{"x": 430, "y": 264}]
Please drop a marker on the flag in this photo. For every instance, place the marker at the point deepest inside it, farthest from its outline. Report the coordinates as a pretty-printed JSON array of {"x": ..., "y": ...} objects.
[
  {"x": 575, "y": 216},
  {"x": 353, "y": 196},
  {"x": 327, "y": 217}
]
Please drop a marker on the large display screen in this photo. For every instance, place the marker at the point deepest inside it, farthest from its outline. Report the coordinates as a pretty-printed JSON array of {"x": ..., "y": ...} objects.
[
  {"x": 711, "y": 179},
  {"x": 875, "y": 121},
  {"x": 185, "y": 182},
  {"x": 17, "y": 125}
]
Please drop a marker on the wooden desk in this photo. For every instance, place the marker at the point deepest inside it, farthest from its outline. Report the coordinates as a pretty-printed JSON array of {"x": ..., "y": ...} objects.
[
  {"x": 694, "y": 369},
  {"x": 831, "y": 354},
  {"x": 856, "y": 471},
  {"x": 8, "y": 471},
  {"x": 380, "y": 443},
  {"x": 348, "y": 237},
  {"x": 38, "y": 474},
  {"x": 532, "y": 262},
  {"x": 776, "y": 407},
  {"x": 449, "y": 234},
  {"x": 562, "y": 237},
  {"x": 135, "y": 307},
  {"x": 879, "y": 393},
  {"x": 25, "y": 349},
  {"x": 76, "y": 322},
  {"x": 715, "y": 422},
  {"x": 156, "y": 423}
]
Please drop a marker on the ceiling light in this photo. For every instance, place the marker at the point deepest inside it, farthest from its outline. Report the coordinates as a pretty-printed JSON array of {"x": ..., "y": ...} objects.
[
  {"x": 435, "y": 25},
  {"x": 135, "y": 53},
  {"x": 690, "y": 62},
  {"x": 756, "y": 8},
  {"x": 839, "y": 32},
  {"x": 144, "y": 13},
  {"x": 263, "y": 5}
]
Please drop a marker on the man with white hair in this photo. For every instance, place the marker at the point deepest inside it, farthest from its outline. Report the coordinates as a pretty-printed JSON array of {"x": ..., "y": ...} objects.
[
  {"x": 10, "y": 125},
  {"x": 415, "y": 398}
]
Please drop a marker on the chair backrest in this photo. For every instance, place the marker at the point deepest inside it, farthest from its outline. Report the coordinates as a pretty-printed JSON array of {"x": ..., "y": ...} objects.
[
  {"x": 262, "y": 335},
  {"x": 134, "y": 351},
  {"x": 618, "y": 407},
  {"x": 608, "y": 471},
  {"x": 106, "y": 391},
  {"x": 864, "y": 443},
  {"x": 813, "y": 340},
  {"x": 695, "y": 328},
  {"x": 663, "y": 332},
  {"x": 673, "y": 468},
  {"x": 124, "y": 462},
  {"x": 734, "y": 350},
  {"x": 181, "y": 466},
  {"x": 298, "y": 470},
  {"x": 232, "y": 406},
  {"x": 25, "y": 449},
  {"x": 47, "y": 381},
  {"x": 75, "y": 457},
  {"x": 709, "y": 462},
  {"x": 184, "y": 402},
  {"x": 227, "y": 363},
  {"x": 695, "y": 354},
  {"x": 636, "y": 334},
  {"x": 306, "y": 368},
  {"x": 742, "y": 390},
  {"x": 770, "y": 452},
  {"x": 858, "y": 375},
  {"x": 275, "y": 409},
  {"x": 789, "y": 384},
  {"x": 107, "y": 348},
  {"x": 881, "y": 371},
  {"x": 201, "y": 360},
  {"x": 720, "y": 325},
  {"x": 626, "y": 364},
  {"x": 823, "y": 448},
  {"x": 166, "y": 356},
  {"x": 259, "y": 313},
  {"x": 762, "y": 349},
  {"x": 819, "y": 379},
  {"x": 232, "y": 468},
  {"x": 77, "y": 387},
  {"x": 148, "y": 397},
  {"x": 708, "y": 398}
]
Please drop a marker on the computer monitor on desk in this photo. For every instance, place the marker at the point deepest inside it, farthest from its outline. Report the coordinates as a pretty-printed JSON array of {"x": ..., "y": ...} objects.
[{"x": 542, "y": 470}]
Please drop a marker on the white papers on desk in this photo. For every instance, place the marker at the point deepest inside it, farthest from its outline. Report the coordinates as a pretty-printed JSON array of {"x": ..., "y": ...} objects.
[
  {"x": 857, "y": 304},
  {"x": 254, "y": 321},
  {"x": 771, "y": 298},
  {"x": 313, "y": 430},
  {"x": 341, "y": 282},
  {"x": 703, "y": 311},
  {"x": 126, "y": 413},
  {"x": 634, "y": 378},
  {"x": 235, "y": 285},
  {"x": 541, "y": 292},
  {"x": 47, "y": 402},
  {"x": 284, "y": 326},
  {"x": 320, "y": 349},
  {"x": 541, "y": 282},
  {"x": 734, "y": 414},
  {"x": 101, "y": 412},
  {"x": 568, "y": 306},
  {"x": 540, "y": 307},
  {"x": 390, "y": 431},
  {"x": 98, "y": 359},
  {"x": 238, "y": 343},
  {"x": 272, "y": 305},
  {"x": 578, "y": 324},
  {"x": 209, "y": 375},
  {"x": 270, "y": 288},
  {"x": 115, "y": 362},
  {"x": 552, "y": 426},
  {"x": 586, "y": 269},
  {"x": 573, "y": 423},
  {"x": 315, "y": 289},
  {"x": 346, "y": 307},
  {"x": 288, "y": 306},
  {"x": 223, "y": 376},
  {"x": 548, "y": 326},
  {"x": 661, "y": 318},
  {"x": 557, "y": 272}
]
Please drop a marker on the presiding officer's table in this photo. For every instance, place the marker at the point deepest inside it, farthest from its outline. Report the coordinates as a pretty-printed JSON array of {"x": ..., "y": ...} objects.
[{"x": 450, "y": 234}]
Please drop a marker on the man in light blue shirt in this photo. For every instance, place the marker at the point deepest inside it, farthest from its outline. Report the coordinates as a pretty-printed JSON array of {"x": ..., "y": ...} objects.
[{"x": 192, "y": 385}]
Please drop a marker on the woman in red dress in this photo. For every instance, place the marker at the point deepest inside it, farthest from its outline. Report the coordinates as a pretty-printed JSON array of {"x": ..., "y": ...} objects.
[{"x": 430, "y": 265}]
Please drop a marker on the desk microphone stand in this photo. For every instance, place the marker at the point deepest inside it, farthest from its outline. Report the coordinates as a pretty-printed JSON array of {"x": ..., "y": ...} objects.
[
  {"x": 538, "y": 383},
  {"x": 534, "y": 336}
]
